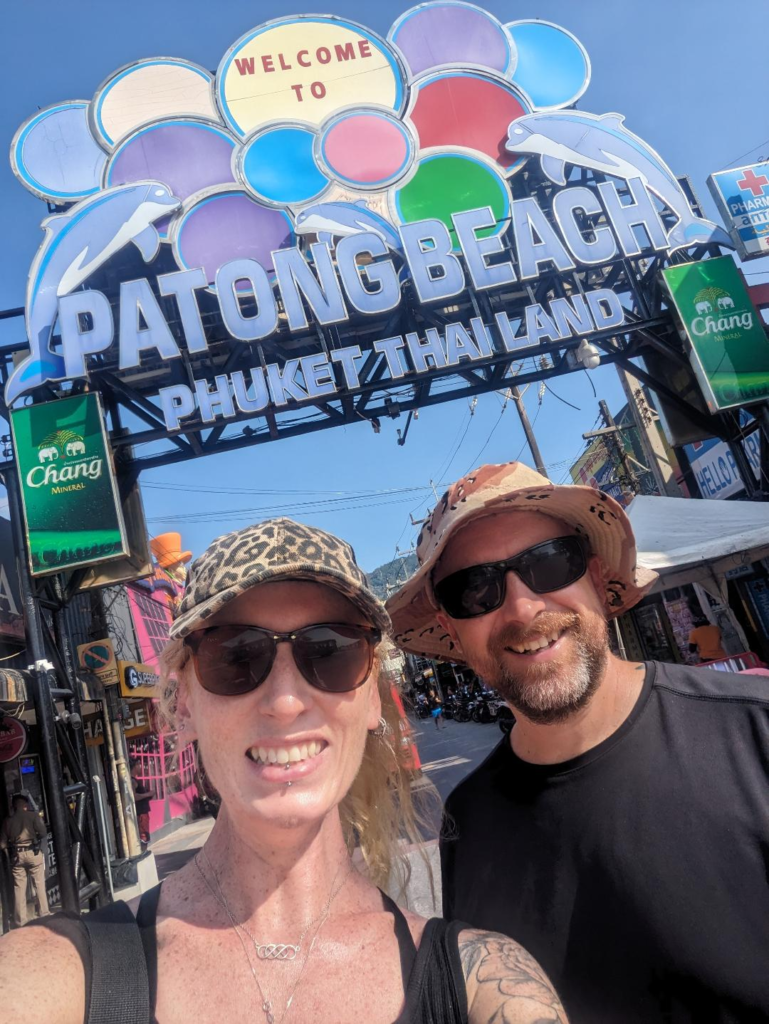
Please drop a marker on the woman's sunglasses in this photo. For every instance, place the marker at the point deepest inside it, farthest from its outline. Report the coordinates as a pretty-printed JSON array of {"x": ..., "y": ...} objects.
[
  {"x": 480, "y": 589},
  {"x": 332, "y": 656}
]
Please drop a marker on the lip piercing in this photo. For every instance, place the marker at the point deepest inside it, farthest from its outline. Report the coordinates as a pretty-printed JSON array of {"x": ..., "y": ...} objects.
[{"x": 289, "y": 783}]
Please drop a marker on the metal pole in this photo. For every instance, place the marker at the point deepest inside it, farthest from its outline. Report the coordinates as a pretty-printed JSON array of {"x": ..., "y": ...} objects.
[
  {"x": 44, "y": 710},
  {"x": 105, "y": 842},
  {"x": 744, "y": 467},
  {"x": 625, "y": 470},
  {"x": 528, "y": 431}
]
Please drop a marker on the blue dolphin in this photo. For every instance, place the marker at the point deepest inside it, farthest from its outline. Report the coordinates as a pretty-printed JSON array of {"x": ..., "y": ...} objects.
[
  {"x": 338, "y": 220},
  {"x": 76, "y": 244},
  {"x": 603, "y": 144}
]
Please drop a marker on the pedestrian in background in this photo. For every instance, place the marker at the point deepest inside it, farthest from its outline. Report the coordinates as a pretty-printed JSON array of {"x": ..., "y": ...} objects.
[
  {"x": 705, "y": 640},
  {"x": 436, "y": 709},
  {"x": 621, "y": 831},
  {"x": 22, "y": 835},
  {"x": 142, "y": 797}
]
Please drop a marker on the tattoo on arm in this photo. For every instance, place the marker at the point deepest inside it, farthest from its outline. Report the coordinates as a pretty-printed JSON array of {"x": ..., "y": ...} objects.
[{"x": 505, "y": 984}]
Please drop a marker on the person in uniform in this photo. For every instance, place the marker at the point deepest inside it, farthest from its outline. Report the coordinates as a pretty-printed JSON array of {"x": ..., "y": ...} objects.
[{"x": 21, "y": 835}]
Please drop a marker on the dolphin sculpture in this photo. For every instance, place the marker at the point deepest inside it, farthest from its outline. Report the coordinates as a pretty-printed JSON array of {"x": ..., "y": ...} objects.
[
  {"x": 76, "y": 244},
  {"x": 338, "y": 220},
  {"x": 603, "y": 144}
]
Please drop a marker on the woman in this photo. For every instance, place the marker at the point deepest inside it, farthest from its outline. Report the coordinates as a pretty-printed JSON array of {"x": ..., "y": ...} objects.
[{"x": 273, "y": 671}]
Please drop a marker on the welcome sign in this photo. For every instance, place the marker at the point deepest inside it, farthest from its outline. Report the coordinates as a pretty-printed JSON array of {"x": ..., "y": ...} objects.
[
  {"x": 71, "y": 505},
  {"x": 325, "y": 177}
]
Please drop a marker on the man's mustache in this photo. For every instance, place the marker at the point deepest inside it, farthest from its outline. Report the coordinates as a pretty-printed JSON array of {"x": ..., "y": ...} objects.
[{"x": 544, "y": 626}]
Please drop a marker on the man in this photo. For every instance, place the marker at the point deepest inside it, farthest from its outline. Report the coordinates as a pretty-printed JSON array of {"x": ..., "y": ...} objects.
[
  {"x": 21, "y": 835},
  {"x": 142, "y": 797},
  {"x": 621, "y": 831},
  {"x": 705, "y": 640}
]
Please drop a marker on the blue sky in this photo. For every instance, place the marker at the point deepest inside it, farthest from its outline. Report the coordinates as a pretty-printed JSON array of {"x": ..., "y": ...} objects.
[{"x": 675, "y": 68}]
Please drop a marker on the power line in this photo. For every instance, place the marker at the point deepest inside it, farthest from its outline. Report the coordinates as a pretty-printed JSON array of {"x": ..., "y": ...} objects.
[{"x": 743, "y": 155}]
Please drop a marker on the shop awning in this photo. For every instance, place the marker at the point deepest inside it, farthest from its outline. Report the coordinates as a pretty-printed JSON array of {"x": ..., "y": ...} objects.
[{"x": 687, "y": 540}]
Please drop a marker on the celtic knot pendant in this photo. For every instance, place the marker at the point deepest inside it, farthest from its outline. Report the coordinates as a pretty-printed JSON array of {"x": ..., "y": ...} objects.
[{"x": 276, "y": 951}]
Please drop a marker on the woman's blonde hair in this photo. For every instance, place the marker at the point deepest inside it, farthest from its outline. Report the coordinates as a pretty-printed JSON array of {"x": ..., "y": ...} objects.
[{"x": 379, "y": 813}]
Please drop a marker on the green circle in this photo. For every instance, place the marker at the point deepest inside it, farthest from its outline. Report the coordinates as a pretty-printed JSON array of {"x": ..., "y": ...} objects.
[{"x": 452, "y": 183}]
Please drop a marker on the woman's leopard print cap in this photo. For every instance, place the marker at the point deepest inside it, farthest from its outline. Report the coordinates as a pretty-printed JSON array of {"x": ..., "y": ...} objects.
[{"x": 278, "y": 549}]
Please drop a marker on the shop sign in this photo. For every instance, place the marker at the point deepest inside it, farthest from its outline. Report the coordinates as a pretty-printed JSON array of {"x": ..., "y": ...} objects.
[
  {"x": 71, "y": 505},
  {"x": 138, "y": 722},
  {"x": 99, "y": 657},
  {"x": 729, "y": 347},
  {"x": 715, "y": 469},
  {"x": 742, "y": 197},
  {"x": 13, "y": 738},
  {"x": 333, "y": 176},
  {"x": 138, "y": 680}
]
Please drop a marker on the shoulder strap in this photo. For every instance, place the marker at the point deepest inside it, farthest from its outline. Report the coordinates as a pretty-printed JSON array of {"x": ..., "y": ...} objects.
[
  {"x": 406, "y": 945},
  {"x": 119, "y": 984},
  {"x": 437, "y": 992}
]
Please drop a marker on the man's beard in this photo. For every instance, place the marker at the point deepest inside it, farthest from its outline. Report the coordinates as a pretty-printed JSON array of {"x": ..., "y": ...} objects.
[{"x": 549, "y": 691}]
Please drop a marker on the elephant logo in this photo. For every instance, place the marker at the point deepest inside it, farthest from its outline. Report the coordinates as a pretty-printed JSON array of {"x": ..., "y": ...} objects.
[
  {"x": 703, "y": 308},
  {"x": 75, "y": 448},
  {"x": 726, "y": 302},
  {"x": 48, "y": 454}
]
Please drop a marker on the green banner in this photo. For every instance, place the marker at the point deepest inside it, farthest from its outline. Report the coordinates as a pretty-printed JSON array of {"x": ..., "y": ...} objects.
[
  {"x": 730, "y": 349},
  {"x": 70, "y": 498}
]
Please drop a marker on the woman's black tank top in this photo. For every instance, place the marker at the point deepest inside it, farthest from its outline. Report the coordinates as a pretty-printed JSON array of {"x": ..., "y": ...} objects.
[{"x": 432, "y": 975}]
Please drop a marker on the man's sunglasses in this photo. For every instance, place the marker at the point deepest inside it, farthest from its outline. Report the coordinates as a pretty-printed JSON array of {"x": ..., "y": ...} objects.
[
  {"x": 545, "y": 567},
  {"x": 332, "y": 656}
]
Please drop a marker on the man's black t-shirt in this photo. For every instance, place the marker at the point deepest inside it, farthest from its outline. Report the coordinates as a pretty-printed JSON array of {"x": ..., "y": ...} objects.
[{"x": 637, "y": 873}]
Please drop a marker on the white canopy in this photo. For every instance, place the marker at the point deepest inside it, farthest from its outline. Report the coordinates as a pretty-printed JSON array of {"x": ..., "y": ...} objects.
[{"x": 688, "y": 540}]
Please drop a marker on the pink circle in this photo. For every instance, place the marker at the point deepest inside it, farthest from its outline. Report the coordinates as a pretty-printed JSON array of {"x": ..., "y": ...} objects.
[{"x": 367, "y": 149}]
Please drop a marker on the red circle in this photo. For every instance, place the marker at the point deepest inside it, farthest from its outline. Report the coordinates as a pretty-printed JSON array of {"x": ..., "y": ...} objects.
[
  {"x": 467, "y": 109},
  {"x": 13, "y": 739},
  {"x": 365, "y": 148}
]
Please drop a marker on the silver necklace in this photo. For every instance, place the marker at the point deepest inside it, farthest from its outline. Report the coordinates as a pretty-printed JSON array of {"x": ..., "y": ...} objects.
[{"x": 267, "y": 1007}]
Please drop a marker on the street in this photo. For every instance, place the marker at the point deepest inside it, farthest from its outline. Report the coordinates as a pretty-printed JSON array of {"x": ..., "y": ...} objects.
[{"x": 449, "y": 754}]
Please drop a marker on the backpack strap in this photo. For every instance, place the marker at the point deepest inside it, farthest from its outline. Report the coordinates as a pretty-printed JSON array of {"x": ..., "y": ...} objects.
[{"x": 119, "y": 991}]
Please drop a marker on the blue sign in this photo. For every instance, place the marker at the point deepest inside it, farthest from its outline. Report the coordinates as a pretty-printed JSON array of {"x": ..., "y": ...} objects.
[
  {"x": 742, "y": 197},
  {"x": 715, "y": 469}
]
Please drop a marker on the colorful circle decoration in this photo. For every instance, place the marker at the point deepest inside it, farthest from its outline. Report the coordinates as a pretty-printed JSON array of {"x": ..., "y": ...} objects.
[
  {"x": 186, "y": 154},
  {"x": 278, "y": 165},
  {"x": 305, "y": 68},
  {"x": 55, "y": 156},
  {"x": 553, "y": 67},
  {"x": 149, "y": 90},
  {"x": 470, "y": 109},
  {"x": 439, "y": 35},
  {"x": 228, "y": 225},
  {"x": 367, "y": 149},
  {"x": 446, "y": 183}
]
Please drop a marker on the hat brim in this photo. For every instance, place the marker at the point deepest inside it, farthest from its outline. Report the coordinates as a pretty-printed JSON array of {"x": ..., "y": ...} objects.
[
  {"x": 589, "y": 512},
  {"x": 199, "y": 616}
]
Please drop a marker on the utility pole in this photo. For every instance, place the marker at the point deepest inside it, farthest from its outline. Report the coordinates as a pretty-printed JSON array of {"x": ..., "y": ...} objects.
[
  {"x": 528, "y": 431},
  {"x": 625, "y": 474},
  {"x": 645, "y": 420}
]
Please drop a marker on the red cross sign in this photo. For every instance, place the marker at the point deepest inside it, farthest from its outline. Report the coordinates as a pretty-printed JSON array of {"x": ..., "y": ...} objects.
[{"x": 753, "y": 183}]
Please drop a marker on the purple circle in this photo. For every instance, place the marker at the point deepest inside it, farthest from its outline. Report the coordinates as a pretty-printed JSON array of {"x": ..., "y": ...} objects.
[
  {"x": 439, "y": 34},
  {"x": 230, "y": 226},
  {"x": 187, "y": 155}
]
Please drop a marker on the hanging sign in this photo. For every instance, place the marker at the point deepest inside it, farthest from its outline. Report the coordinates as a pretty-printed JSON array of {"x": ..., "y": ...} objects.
[
  {"x": 742, "y": 197},
  {"x": 71, "y": 506},
  {"x": 138, "y": 722},
  {"x": 98, "y": 657},
  {"x": 13, "y": 738},
  {"x": 729, "y": 347},
  {"x": 138, "y": 680}
]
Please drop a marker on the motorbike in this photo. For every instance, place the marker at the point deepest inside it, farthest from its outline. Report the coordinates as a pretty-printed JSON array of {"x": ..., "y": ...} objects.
[
  {"x": 421, "y": 706},
  {"x": 505, "y": 718},
  {"x": 463, "y": 708}
]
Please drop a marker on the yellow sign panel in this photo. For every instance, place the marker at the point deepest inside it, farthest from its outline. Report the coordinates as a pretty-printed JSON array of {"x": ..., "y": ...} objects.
[
  {"x": 305, "y": 69},
  {"x": 99, "y": 657},
  {"x": 137, "y": 680}
]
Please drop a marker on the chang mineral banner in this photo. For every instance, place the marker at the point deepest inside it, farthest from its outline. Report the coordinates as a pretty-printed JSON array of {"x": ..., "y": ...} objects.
[
  {"x": 71, "y": 505},
  {"x": 729, "y": 346}
]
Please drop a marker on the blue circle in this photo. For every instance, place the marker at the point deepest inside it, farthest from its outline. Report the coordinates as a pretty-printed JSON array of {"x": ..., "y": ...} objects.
[
  {"x": 553, "y": 67},
  {"x": 278, "y": 165},
  {"x": 55, "y": 156}
]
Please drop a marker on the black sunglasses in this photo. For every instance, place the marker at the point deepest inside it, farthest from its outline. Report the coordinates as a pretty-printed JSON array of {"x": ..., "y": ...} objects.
[
  {"x": 545, "y": 567},
  {"x": 335, "y": 657}
]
